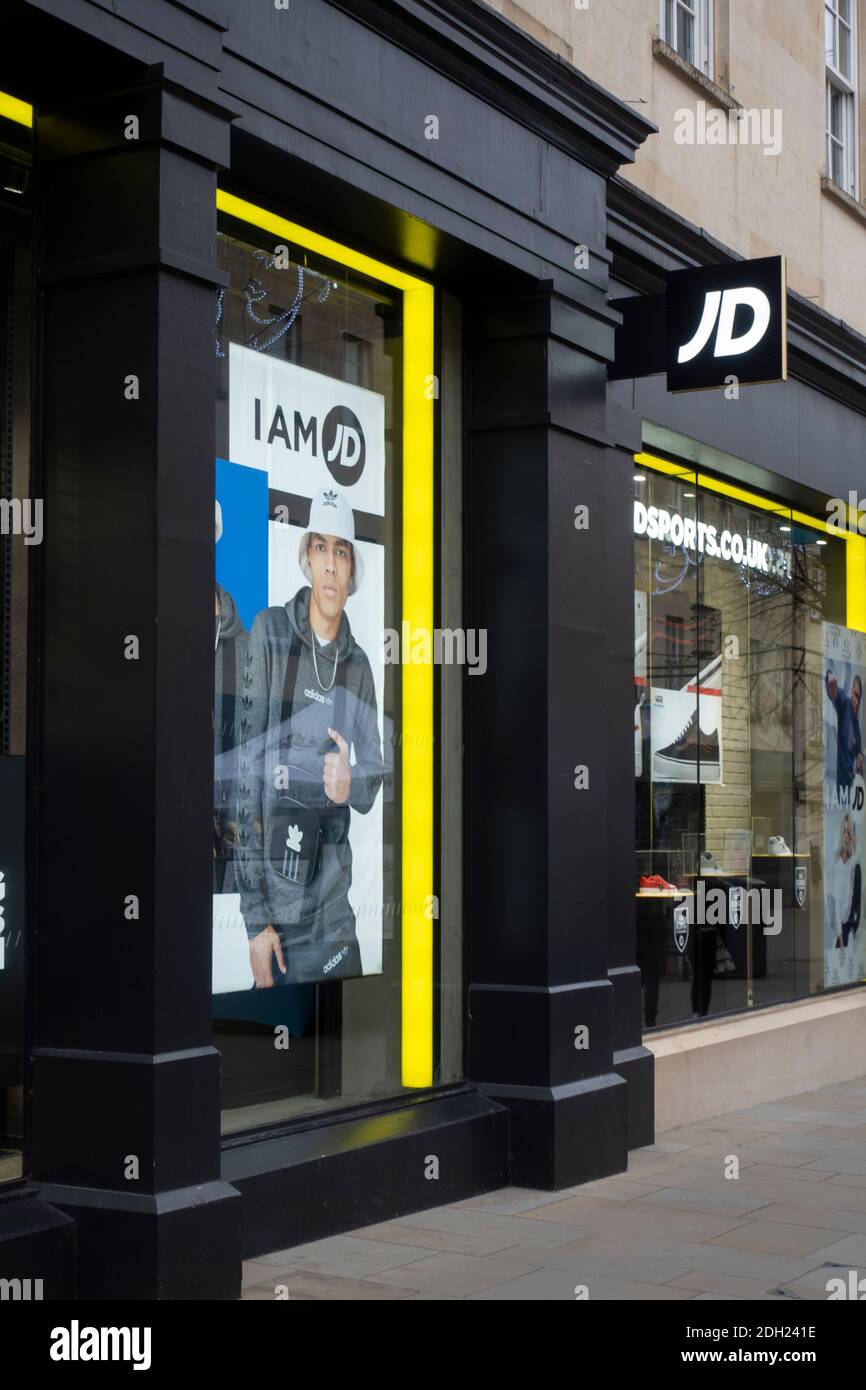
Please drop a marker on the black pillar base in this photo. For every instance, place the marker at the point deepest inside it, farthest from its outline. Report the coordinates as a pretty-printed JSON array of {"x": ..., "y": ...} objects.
[
  {"x": 183, "y": 1244},
  {"x": 562, "y": 1136},
  {"x": 631, "y": 1060},
  {"x": 37, "y": 1242},
  {"x": 636, "y": 1066}
]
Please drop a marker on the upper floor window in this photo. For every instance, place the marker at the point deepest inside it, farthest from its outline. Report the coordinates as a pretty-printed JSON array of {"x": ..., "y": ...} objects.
[
  {"x": 687, "y": 26},
  {"x": 841, "y": 120}
]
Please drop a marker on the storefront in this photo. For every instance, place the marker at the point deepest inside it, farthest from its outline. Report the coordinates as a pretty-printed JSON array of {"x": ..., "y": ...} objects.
[
  {"x": 749, "y": 793},
  {"x": 749, "y": 614},
  {"x": 300, "y": 949},
  {"x": 351, "y": 580}
]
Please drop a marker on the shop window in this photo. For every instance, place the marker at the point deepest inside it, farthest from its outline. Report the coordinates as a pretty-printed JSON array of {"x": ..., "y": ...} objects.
[
  {"x": 748, "y": 751},
  {"x": 21, "y": 516},
  {"x": 329, "y": 896},
  {"x": 840, "y": 40},
  {"x": 686, "y": 25},
  {"x": 20, "y": 530}
]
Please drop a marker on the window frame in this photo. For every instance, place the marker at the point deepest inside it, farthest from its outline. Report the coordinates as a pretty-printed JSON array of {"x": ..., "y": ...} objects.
[
  {"x": 702, "y": 11},
  {"x": 417, "y": 770},
  {"x": 838, "y": 83}
]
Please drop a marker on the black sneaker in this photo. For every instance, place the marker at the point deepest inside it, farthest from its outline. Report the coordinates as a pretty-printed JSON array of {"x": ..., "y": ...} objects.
[{"x": 679, "y": 761}]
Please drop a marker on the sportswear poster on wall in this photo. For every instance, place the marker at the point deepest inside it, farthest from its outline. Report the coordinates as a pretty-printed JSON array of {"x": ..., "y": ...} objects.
[
  {"x": 844, "y": 821},
  {"x": 641, "y": 709},
  {"x": 685, "y": 691},
  {"x": 299, "y": 680}
]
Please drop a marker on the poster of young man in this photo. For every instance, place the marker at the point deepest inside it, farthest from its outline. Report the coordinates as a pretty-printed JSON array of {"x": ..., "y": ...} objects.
[
  {"x": 302, "y": 902},
  {"x": 844, "y": 796}
]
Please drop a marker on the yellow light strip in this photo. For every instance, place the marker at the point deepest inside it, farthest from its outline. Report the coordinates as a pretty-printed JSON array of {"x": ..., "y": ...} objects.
[
  {"x": 417, "y": 732},
  {"x": 15, "y": 110},
  {"x": 855, "y": 556},
  {"x": 855, "y": 577},
  {"x": 739, "y": 494},
  {"x": 417, "y": 723}
]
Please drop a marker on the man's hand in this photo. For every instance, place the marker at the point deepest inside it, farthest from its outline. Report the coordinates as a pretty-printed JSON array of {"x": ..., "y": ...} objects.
[
  {"x": 858, "y": 764},
  {"x": 832, "y": 686},
  {"x": 262, "y": 947},
  {"x": 337, "y": 774}
]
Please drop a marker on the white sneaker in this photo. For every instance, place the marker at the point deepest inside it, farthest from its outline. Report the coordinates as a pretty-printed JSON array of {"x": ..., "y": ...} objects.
[{"x": 778, "y": 846}]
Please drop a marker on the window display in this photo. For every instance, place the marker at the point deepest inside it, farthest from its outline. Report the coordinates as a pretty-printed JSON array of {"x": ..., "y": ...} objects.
[
  {"x": 15, "y": 347},
  {"x": 748, "y": 764},
  {"x": 325, "y": 910}
]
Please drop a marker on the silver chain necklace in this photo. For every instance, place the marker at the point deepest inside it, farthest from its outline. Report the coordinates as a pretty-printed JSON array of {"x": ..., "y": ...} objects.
[{"x": 326, "y": 688}]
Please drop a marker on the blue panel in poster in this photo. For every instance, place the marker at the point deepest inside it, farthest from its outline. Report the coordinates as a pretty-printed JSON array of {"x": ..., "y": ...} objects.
[{"x": 242, "y": 552}]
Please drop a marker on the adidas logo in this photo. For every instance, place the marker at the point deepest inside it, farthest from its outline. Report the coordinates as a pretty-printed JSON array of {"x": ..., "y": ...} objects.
[{"x": 335, "y": 960}]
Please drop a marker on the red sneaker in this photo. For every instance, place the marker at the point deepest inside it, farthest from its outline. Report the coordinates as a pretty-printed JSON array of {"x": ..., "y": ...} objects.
[{"x": 654, "y": 883}]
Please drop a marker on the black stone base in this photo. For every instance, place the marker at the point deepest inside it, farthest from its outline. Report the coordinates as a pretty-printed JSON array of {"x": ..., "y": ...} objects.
[
  {"x": 566, "y": 1135},
  {"x": 183, "y": 1244},
  {"x": 37, "y": 1242},
  {"x": 343, "y": 1175},
  {"x": 636, "y": 1066}
]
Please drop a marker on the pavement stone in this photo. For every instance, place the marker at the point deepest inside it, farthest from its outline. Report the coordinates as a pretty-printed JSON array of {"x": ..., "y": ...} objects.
[{"x": 672, "y": 1227}]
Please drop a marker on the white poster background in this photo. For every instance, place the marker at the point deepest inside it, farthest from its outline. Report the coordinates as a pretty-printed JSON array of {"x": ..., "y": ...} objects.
[
  {"x": 231, "y": 956},
  {"x": 365, "y": 612},
  {"x": 253, "y": 376},
  {"x": 671, "y": 712}
]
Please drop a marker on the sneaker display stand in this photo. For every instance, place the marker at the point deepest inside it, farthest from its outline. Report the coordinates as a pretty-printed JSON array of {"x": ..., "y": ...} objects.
[
  {"x": 780, "y": 871},
  {"x": 655, "y": 934},
  {"x": 735, "y": 937},
  {"x": 791, "y": 875}
]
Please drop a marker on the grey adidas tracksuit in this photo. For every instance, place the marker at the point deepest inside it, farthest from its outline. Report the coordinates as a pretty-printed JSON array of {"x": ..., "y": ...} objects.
[{"x": 282, "y": 729}]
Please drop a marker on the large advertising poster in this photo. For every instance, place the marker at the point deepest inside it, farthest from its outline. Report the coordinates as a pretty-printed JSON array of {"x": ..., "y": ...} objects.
[
  {"x": 299, "y": 679},
  {"x": 844, "y": 935},
  {"x": 685, "y": 691}
]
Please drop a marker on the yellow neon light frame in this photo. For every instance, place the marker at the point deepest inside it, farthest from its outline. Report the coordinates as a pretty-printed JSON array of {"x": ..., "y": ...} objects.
[
  {"x": 14, "y": 110},
  {"x": 417, "y": 680},
  {"x": 855, "y": 560}
]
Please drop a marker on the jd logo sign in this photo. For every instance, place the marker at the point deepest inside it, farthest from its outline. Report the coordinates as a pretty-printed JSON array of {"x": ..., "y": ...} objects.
[
  {"x": 727, "y": 321},
  {"x": 720, "y": 308},
  {"x": 343, "y": 445}
]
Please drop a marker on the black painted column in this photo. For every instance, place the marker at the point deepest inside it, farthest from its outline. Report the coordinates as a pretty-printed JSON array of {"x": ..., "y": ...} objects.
[
  {"x": 631, "y": 1059},
  {"x": 125, "y": 1080},
  {"x": 542, "y": 849}
]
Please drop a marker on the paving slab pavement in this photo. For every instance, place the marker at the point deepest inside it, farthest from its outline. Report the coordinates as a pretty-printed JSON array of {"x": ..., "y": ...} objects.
[{"x": 676, "y": 1226}]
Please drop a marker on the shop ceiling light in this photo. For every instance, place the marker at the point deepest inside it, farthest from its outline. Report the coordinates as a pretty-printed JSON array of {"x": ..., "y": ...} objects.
[
  {"x": 784, "y": 528},
  {"x": 855, "y": 544},
  {"x": 639, "y": 478}
]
